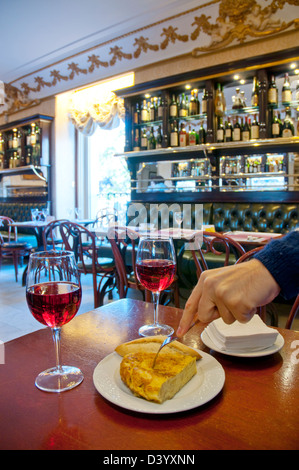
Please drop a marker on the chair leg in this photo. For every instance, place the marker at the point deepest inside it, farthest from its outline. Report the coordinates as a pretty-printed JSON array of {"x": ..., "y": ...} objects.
[{"x": 15, "y": 262}]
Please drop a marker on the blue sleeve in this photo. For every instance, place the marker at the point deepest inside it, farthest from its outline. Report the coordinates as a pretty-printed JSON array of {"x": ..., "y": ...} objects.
[{"x": 281, "y": 258}]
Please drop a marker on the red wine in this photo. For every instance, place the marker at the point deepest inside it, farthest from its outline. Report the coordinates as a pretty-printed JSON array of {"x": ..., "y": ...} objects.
[
  {"x": 156, "y": 275},
  {"x": 54, "y": 303}
]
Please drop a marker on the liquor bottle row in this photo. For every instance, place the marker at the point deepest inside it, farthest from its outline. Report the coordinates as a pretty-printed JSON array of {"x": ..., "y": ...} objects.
[
  {"x": 20, "y": 147},
  {"x": 232, "y": 130},
  {"x": 197, "y": 168},
  {"x": 252, "y": 165},
  {"x": 184, "y": 105}
]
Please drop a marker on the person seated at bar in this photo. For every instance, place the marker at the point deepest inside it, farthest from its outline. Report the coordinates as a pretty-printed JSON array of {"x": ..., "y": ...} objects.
[{"x": 234, "y": 292}]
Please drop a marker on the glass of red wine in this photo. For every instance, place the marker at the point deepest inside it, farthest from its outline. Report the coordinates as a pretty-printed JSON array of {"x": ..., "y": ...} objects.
[
  {"x": 53, "y": 293},
  {"x": 155, "y": 269}
]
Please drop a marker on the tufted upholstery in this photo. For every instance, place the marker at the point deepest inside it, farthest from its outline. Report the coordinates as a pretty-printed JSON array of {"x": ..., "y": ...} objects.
[
  {"x": 268, "y": 217},
  {"x": 21, "y": 211}
]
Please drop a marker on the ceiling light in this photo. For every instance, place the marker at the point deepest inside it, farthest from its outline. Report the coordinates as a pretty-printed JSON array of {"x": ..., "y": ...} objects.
[
  {"x": 236, "y": 77},
  {"x": 242, "y": 81},
  {"x": 293, "y": 65}
]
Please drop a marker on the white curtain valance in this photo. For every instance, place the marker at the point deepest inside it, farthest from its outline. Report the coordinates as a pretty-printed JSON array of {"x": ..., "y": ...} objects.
[{"x": 106, "y": 112}]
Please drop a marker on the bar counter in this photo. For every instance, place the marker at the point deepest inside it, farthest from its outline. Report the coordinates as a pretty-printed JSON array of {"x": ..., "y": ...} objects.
[{"x": 257, "y": 407}]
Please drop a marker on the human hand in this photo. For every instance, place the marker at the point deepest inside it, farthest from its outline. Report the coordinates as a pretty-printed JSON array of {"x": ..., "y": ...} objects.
[{"x": 233, "y": 293}]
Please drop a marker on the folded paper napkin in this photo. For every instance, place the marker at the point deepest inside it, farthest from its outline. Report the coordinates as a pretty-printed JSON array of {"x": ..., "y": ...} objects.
[{"x": 241, "y": 337}]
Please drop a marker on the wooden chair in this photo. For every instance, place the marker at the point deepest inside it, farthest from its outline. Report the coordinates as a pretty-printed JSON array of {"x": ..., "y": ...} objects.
[
  {"x": 124, "y": 243},
  {"x": 222, "y": 247},
  {"x": 12, "y": 248},
  {"x": 82, "y": 242},
  {"x": 262, "y": 310}
]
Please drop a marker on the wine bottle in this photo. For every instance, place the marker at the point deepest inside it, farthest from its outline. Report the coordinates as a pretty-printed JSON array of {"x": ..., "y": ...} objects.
[
  {"x": 288, "y": 125},
  {"x": 152, "y": 114},
  {"x": 174, "y": 138},
  {"x": 192, "y": 137},
  {"x": 297, "y": 91},
  {"x": 137, "y": 114},
  {"x": 236, "y": 131},
  {"x": 144, "y": 117},
  {"x": 245, "y": 130},
  {"x": 219, "y": 103},
  {"x": 255, "y": 129},
  {"x": 275, "y": 127},
  {"x": 160, "y": 109},
  {"x": 286, "y": 94},
  {"x": 173, "y": 108},
  {"x": 255, "y": 93},
  {"x": 192, "y": 105},
  {"x": 183, "y": 109},
  {"x": 151, "y": 142},
  {"x": 183, "y": 136},
  {"x": 228, "y": 131},
  {"x": 220, "y": 131},
  {"x": 272, "y": 93},
  {"x": 136, "y": 146},
  {"x": 143, "y": 140},
  {"x": 201, "y": 134}
]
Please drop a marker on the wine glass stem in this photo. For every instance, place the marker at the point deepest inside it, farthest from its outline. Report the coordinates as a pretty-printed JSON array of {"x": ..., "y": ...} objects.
[
  {"x": 56, "y": 338},
  {"x": 156, "y": 296}
]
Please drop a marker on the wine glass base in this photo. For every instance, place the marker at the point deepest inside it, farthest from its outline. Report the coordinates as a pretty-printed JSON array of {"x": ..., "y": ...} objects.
[
  {"x": 155, "y": 329},
  {"x": 59, "y": 379}
]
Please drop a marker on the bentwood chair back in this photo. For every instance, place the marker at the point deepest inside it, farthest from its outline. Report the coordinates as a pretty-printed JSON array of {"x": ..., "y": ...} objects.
[
  {"x": 11, "y": 247},
  {"x": 262, "y": 310},
  {"x": 214, "y": 247},
  {"x": 82, "y": 242},
  {"x": 124, "y": 244}
]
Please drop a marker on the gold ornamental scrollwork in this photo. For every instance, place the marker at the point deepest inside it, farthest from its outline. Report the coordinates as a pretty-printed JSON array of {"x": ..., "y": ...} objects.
[
  {"x": 236, "y": 22},
  {"x": 239, "y": 20}
]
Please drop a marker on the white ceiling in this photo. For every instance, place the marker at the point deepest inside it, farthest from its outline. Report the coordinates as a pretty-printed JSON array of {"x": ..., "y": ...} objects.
[{"x": 35, "y": 33}]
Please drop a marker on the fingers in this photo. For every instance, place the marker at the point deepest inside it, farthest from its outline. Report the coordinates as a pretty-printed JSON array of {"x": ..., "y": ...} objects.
[{"x": 189, "y": 311}]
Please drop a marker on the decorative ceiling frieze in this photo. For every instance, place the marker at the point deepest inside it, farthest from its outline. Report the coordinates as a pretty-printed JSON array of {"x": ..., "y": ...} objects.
[{"x": 221, "y": 23}]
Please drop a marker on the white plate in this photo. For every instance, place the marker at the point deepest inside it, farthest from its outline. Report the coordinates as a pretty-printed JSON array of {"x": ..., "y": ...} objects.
[
  {"x": 263, "y": 352},
  {"x": 203, "y": 387}
]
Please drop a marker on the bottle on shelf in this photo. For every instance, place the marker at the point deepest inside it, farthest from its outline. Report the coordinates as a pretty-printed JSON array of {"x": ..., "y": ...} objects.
[
  {"x": 236, "y": 130},
  {"x": 228, "y": 131},
  {"x": 201, "y": 134},
  {"x": 159, "y": 138},
  {"x": 254, "y": 129},
  {"x": 219, "y": 102},
  {"x": 152, "y": 110},
  {"x": 245, "y": 131},
  {"x": 160, "y": 109},
  {"x": 174, "y": 137},
  {"x": 143, "y": 141},
  {"x": 275, "y": 126},
  {"x": 204, "y": 102},
  {"x": 272, "y": 92},
  {"x": 243, "y": 99},
  {"x": 15, "y": 142},
  {"x": 136, "y": 146},
  {"x": 220, "y": 130},
  {"x": 151, "y": 141},
  {"x": 193, "y": 104},
  {"x": 297, "y": 91},
  {"x": 183, "y": 137},
  {"x": 183, "y": 110},
  {"x": 192, "y": 137},
  {"x": 173, "y": 108},
  {"x": 286, "y": 93},
  {"x": 288, "y": 125},
  {"x": 144, "y": 117},
  {"x": 255, "y": 93},
  {"x": 136, "y": 118}
]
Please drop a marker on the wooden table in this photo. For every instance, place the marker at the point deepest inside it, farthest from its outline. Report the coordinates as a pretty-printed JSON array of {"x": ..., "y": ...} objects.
[{"x": 256, "y": 409}]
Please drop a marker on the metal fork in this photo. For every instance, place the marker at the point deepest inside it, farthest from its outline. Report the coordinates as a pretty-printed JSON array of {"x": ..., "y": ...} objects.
[{"x": 170, "y": 339}]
